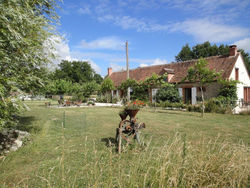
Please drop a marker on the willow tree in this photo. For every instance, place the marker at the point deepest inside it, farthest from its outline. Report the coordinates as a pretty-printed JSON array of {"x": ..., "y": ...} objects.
[{"x": 25, "y": 25}]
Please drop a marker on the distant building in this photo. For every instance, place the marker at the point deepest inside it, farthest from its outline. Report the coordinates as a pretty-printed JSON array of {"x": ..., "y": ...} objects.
[{"x": 232, "y": 67}]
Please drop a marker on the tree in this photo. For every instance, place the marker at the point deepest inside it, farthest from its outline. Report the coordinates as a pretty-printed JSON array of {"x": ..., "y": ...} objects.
[
  {"x": 201, "y": 75},
  {"x": 25, "y": 26},
  {"x": 206, "y": 50},
  {"x": 59, "y": 87},
  {"x": 77, "y": 72},
  {"x": 107, "y": 85},
  {"x": 185, "y": 54}
]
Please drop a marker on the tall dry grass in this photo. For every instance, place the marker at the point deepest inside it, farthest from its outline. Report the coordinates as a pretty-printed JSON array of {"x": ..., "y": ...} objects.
[{"x": 174, "y": 162}]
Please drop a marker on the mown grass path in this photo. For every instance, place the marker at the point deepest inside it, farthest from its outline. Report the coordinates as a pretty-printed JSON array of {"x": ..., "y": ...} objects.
[{"x": 79, "y": 156}]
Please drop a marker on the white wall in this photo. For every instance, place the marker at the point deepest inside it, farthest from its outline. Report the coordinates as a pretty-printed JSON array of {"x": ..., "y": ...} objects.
[{"x": 243, "y": 77}]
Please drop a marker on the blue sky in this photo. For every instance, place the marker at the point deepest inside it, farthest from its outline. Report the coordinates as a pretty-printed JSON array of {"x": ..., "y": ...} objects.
[{"x": 156, "y": 30}]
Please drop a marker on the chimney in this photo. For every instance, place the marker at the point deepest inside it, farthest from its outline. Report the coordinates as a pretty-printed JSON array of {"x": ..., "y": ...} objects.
[
  {"x": 232, "y": 50},
  {"x": 109, "y": 71},
  {"x": 170, "y": 76},
  {"x": 170, "y": 73}
]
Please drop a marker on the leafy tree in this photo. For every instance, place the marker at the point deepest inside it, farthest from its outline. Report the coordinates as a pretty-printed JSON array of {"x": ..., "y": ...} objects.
[
  {"x": 139, "y": 89},
  {"x": 185, "y": 54},
  {"x": 206, "y": 50},
  {"x": 25, "y": 26},
  {"x": 77, "y": 72},
  {"x": 59, "y": 87},
  {"x": 201, "y": 75},
  {"x": 107, "y": 85},
  {"x": 155, "y": 80},
  {"x": 168, "y": 92}
]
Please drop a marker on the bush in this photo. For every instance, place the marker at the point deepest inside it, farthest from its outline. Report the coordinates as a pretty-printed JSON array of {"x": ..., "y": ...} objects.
[
  {"x": 79, "y": 97},
  {"x": 171, "y": 104},
  {"x": 194, "y": 108},
  {"x": 168, "y": 93},
  {"x": 107, "y": 98},
  {"x": 219, "y": 105},
  {"x": 91, "y": 103}
]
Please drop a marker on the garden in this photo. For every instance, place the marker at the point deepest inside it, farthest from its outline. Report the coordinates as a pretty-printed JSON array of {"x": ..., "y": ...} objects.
[{"x": 76, "y": 147}]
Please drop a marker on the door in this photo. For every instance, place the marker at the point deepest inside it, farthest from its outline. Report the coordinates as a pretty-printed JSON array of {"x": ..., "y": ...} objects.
[
  {"x": 246, "y": 94},
  {"x": 187, "y": 96}
]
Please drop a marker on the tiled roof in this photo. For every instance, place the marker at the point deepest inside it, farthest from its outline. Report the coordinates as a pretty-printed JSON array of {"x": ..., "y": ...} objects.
[{"x": 217, "y": 63}]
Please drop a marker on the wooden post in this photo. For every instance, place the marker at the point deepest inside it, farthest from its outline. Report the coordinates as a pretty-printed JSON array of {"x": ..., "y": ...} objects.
[
  {"x": 120, "y": 140},
  {"x": 128, "y": 92}
]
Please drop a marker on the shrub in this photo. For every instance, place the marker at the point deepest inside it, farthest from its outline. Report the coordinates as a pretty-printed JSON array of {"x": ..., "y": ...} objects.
[
  {"x": 79, "y": 97},
  {"x": 194, "y": 108},
  {"x": 219, "y": 105},
  {"x": 171, "y": 104},
  {"x": 168, "y": 93}
]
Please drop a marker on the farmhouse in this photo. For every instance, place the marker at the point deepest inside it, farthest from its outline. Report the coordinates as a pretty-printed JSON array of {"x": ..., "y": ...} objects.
[{"x": 232, "y": 67}]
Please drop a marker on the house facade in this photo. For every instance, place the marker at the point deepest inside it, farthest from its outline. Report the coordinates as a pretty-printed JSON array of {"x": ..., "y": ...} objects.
[{"x": 231, "y": 66}]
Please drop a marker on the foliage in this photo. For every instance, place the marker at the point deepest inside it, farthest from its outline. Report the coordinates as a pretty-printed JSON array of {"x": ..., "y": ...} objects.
[
  {"x": 59, "y": 87},
  {"x": 134, "y": 105},
  {"x": 219, "y": 105},
  {"x": 76, "y": 72},
  {"x": 167, "y": 104},
  {"x": 206, "y": 50},
  {"x": 25, "y": 27},
  {"x": 168, "y": 92},
  {"x": 185, "y": 54},
  {"x": 155, "y": 80},
  {"x": 194, "y": 108},
  {"x": 128, "y": 83},
  {"x": 229, "y": 89},
  {"x": 201, "y": 75},
  {"x": 79, "y": 91},
  {"x": 107, "y": 85},
  {"x": 79, "y": 97},
  {"x": 140, "y": 89}
]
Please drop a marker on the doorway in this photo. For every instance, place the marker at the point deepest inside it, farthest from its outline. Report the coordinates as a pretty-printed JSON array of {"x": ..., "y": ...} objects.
[{"x": 187, "y": 96}]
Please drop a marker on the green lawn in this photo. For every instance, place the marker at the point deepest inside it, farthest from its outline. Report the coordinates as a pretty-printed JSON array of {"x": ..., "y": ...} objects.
[{"x": 181, "y": 149}]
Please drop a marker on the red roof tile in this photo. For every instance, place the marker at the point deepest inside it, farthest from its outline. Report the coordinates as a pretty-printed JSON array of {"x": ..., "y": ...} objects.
[{"x": 217, "y": 63}]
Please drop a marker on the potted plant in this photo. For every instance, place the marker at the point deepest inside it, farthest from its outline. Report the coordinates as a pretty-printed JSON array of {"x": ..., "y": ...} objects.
[
  {"x": 133, "y": 107},
  {"x": 123, "y": 114}
]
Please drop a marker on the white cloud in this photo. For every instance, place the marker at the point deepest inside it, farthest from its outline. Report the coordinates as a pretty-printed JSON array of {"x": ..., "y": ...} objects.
[
  {"x": 111, "y": 43},
  {"x": 156, "y": 61},
  {"x": 244, "y": 44},
  {"x": 116, "y": 67},
  {"x": 143, "y": 65},
  {"x": 59, "y": 47},
  {"x": 94, "y": 66},
  {"x": 206, "y": 30},
  {"x": 61, "y": 50},
  {"x": 128, "y": 22},
  {"x": 159, "y": 61},
  {"x": 84, "y": 10}
]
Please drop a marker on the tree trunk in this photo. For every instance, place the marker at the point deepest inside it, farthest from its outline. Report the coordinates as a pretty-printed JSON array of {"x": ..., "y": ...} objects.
[{"x": 203, "y": 105}]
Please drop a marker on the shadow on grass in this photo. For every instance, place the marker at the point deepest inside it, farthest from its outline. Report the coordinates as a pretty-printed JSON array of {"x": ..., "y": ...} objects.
[
  {"x": 25, "y": 124},
  {"x": 109, "y": 141}
]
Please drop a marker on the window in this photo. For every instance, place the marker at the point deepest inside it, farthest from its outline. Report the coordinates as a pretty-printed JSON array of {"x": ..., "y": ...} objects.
[{"x": 236, "y": 73}]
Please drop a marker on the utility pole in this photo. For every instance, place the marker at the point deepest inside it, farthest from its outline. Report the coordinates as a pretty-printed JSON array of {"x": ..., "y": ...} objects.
[{"x": 128, "y": 92}]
